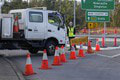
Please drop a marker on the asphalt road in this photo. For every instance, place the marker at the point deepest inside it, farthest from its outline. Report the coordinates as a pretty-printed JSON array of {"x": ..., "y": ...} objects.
[{"x": 104, "y": 65}]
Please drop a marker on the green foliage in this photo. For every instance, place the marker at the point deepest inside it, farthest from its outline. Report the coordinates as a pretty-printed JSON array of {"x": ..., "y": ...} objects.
[
  {"x": 116, "y": 16},
  {"x": 15, "y": 4}
]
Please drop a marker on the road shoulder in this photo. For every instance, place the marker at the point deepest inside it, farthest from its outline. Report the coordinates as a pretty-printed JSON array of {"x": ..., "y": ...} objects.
[{"x": 8, "y": 71}]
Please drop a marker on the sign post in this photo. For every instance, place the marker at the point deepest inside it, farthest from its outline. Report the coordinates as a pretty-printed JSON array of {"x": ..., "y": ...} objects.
[
  {"x": 74, "y": 13},
  {"x": 104, "y": 34},
  {"x": 88, "y": 34},
  {"x": 90, "y": 26}
]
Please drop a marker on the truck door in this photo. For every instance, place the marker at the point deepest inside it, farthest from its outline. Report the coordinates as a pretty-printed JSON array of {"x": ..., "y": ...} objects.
[
  {"x": 55, "y": 29},
  {"x": 35, "y": 26}
]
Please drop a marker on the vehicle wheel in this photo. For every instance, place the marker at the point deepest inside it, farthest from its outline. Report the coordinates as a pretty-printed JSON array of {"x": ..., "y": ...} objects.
[
  {"x": 33, "y": 51},
  {"x": 50, "y": 46}
]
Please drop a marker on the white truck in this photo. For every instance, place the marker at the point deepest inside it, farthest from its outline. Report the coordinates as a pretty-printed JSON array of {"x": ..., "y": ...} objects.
[{"x": 36, "y": 31}]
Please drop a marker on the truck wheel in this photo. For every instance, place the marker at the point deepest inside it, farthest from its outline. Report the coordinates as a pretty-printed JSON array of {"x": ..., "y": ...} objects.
[
  {"x": 33, "y": 51},
  {"x": 50, "y": 46}
]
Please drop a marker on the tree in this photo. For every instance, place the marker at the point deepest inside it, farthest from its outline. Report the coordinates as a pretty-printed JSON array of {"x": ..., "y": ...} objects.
[
  {"x": 80, "y": 17},
  {"x": 15, "y": 4},
  {"x": 63, "y": 6},
  {"x": 117, "y": 16}
]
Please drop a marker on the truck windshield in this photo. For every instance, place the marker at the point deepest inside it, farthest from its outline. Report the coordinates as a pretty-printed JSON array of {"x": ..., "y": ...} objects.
[{"x": 55, "y": 19}]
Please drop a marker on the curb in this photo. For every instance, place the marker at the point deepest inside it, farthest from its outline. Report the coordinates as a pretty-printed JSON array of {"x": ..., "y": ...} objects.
[
  {"x": 16, "y": 70},
  {"x": 108, "y": 48},
  {"x": 105, "y": 49}
]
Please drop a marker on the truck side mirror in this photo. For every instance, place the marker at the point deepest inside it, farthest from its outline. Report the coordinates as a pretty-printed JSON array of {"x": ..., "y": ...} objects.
[
  {"x": 58, "y": 28},
  {"x": 61, "y": 25},
  {"x": 64, "y": 18}
]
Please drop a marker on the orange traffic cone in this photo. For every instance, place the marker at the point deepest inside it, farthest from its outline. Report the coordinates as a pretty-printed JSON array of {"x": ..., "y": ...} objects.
[
  {"x": 89, "y": 50},
  {"x": 56, "y": 61},
  {"x": 81, "y": 51},
  {"x": 28, "y": 67},
  {"x": 44, "y": 64},
  {"x": 16, "y": 25},
  {"x": 97, "y": 45},
  {"x": 73, "y": 53},
  {"x": 62, "y": 55}
]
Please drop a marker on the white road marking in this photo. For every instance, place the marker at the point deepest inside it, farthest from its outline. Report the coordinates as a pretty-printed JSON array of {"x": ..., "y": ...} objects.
[
  {"x": 104, "y": 55},
  {"x": 108, "y": 56},
  {"x": 115, "y": 55}
]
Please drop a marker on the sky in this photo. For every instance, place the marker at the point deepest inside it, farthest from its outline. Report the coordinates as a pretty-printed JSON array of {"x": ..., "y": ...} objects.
[
  {"x": 26, "y": 0},
  {"x": 78, "y": 0}
]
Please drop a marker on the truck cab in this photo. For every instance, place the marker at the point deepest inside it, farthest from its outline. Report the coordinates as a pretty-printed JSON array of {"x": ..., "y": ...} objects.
[{"x": 38, "y": 30}]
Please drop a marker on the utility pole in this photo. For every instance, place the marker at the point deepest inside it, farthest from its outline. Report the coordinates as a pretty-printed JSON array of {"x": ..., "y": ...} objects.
[
  {"x": 74, "y": 13},
  {"x": 60, "y": 5},
  {"x": 28, "y": 3}
]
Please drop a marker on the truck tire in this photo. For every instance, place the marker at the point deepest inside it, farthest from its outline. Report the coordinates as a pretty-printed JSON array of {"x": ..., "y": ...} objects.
[
  {"x": 33, "y": 51},
  {"x": 50, "y": 47}
]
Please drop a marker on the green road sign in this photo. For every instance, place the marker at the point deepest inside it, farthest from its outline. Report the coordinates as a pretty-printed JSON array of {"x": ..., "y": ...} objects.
[
  {"x": 98, "y": 4},
  {"x": 97, "y": 16}
]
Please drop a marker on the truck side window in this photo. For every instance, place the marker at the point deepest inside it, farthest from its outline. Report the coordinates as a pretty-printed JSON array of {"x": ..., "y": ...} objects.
[
  {"x": 35, "y": 16},
  {"x": 54, "y": 19}
]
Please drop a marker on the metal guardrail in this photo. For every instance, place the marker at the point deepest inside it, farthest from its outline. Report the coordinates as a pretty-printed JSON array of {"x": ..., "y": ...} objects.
[{"x": 99, "y": 36}]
